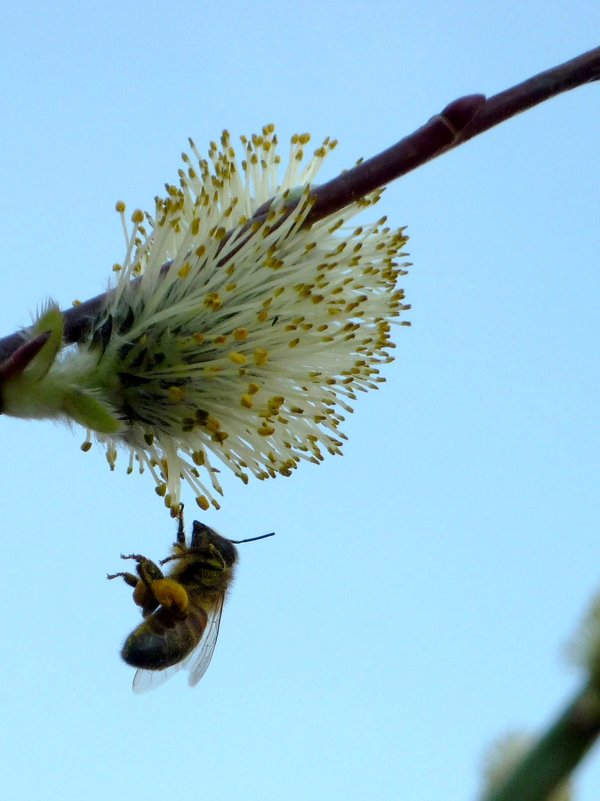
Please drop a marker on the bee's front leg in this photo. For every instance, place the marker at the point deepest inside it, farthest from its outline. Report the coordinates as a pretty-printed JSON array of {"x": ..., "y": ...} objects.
[{"x": 180, "y": 528}]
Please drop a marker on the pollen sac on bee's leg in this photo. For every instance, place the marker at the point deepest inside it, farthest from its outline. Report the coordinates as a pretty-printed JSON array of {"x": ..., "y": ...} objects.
[
  {"x": 148, "y": 574},
  {"x": 144, "y": 597},
  {"x": 143, "y": 594},
  {"x": 170, "y": 593}
]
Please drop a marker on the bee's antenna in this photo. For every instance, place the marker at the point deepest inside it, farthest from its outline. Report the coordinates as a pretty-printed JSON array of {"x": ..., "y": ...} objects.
[{"x": 253, "y": 539}]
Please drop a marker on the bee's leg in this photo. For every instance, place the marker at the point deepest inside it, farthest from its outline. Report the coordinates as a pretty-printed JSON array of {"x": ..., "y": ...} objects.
[
  {"x": 149, "y": 592},
  {"x": 128, "y": 578},
  {"x": 139, "y": 558},
  {"x": 143, "y": 592},
  {"x": 180, "y": 529},
  {"x": 147, "y": 570}
]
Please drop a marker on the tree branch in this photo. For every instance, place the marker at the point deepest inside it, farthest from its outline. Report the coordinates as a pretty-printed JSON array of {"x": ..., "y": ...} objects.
[
  {"x": 556, "y": 754},
  {"x": 459, "y": 121}
]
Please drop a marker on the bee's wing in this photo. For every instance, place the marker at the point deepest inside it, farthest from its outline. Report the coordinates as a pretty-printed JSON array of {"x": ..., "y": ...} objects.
[
  {"x": 145, "y": 680},
  {"x": 198, "y": 661}
]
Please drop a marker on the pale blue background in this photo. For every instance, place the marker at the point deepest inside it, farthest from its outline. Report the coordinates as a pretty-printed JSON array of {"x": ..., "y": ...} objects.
[{"x": 415, "y": 603}]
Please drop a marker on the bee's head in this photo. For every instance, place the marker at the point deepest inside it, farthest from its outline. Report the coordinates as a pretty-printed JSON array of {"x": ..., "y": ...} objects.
[{"x": 203, "y": 536}]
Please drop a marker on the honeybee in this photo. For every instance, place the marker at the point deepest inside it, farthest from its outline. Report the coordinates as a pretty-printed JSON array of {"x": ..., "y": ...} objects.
[{"x": 182, "y": 610}]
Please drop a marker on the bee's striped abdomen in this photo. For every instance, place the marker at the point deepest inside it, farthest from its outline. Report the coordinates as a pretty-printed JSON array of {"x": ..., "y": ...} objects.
[{"x": 164, "y": 638}]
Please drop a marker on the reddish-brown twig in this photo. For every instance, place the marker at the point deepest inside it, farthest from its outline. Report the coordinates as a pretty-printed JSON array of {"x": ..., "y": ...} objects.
[{"x": 460, "y": 121}]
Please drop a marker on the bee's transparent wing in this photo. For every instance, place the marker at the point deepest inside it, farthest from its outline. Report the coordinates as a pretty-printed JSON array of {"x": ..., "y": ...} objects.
[
  {"x": 199, "y": 660},
  {"x": 145, "y": 680}
]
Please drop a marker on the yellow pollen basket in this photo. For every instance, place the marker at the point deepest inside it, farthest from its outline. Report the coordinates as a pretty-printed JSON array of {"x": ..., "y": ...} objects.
[{"x": 170, "y": 593}]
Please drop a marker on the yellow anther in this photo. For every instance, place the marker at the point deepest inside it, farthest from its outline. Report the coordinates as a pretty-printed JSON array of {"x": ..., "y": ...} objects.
[
  {"x": 237, "y": 358},
  {"x": 175, "y": 394},
  {"x": 213, "y": 301},
  {"x": 261, "y": 357}
]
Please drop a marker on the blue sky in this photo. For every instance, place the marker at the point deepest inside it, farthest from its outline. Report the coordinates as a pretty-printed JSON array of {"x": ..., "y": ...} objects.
[{"x": 416, "y": 600}]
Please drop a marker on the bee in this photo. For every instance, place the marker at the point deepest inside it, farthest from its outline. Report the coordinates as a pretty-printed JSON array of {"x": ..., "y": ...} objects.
[{"x": 182, "y": 610}]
